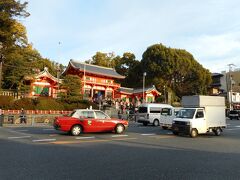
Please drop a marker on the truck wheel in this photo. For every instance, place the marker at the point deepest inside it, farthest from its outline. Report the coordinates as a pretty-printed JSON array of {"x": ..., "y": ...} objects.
[
  {"x": 194, "y": 133},
  {"x": 145, "y": 123},
  {"x": 217, "y": 131},
  {"x": 155, "y": 122},
  {"x": 76, "y": 130}
]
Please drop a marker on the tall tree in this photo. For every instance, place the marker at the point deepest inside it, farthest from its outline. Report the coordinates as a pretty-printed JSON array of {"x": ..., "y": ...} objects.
[
  {"x": 103, "y": 59},
  {"x": 127, "y": 65},
  {"x": 12, "y": 33},
  {"x": 19, "y": 57},
  {"x": 175, "y": 69}
]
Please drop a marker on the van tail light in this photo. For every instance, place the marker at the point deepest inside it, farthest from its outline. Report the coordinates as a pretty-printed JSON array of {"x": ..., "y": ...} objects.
[{"x": 147, "y": 116}]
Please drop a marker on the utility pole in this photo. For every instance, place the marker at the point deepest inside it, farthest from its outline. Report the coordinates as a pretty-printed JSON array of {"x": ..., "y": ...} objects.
[{"x": 230, "y": 85}]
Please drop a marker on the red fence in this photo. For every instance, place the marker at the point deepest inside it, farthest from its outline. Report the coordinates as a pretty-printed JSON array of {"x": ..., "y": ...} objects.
[{"x": 6, "y": 112}]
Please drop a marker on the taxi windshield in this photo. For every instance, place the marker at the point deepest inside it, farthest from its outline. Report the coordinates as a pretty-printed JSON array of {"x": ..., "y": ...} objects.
[{"x": 186, "y": 113}]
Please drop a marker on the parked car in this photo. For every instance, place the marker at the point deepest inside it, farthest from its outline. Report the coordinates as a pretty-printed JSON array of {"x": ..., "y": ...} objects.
[
  {"x": 87, "y": 120},
  {"x": 234, "y": 114}
]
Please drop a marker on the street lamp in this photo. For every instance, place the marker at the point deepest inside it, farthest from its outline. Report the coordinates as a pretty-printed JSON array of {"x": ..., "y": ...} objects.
[
  {"x": 144, "y": 75},
  {"x": 1, "y": 63},
  {"x": 84, "y": 80},
  {"x": 165, "y": 98}
]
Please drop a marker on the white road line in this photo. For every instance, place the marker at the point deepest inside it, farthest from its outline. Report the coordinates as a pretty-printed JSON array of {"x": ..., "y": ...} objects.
[
  {"x": 53, "y": 135},
  {"x": 169, "y": 133},
  {"x": 237, "y": 126},
  {"x": 123, "y": 135},
  {"x": 43, "y": 140},
  {"x": 232, "y": 129},
  {"x": 89, "y": 137},
  {"x": 23, "y": 130},
  {"x": 19, "y": 137},
  {"x": 148, "y": 134},
  {"x": 49, "y": 129}
]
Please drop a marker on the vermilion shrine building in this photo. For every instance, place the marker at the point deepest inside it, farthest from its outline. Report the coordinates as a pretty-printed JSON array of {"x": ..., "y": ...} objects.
[
  {"x": 43, "y": 84},
  {"x": 97, "y": 82}
]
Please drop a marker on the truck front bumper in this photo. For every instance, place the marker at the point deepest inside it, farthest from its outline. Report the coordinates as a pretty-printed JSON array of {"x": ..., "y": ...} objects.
[{"x": 178, "y": 128}]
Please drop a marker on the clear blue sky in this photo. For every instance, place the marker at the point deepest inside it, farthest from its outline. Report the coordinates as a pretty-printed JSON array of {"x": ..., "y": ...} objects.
[{"x": 208, "y": 29}]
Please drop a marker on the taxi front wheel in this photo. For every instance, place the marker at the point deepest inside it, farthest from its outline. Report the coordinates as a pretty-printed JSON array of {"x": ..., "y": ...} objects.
[
  {"x": 76, "y": 130},
  {"x": 119, "y": 129}
]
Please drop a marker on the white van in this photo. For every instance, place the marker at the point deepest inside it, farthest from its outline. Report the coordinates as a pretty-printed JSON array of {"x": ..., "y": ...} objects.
[{"x": 150, "y": 113}]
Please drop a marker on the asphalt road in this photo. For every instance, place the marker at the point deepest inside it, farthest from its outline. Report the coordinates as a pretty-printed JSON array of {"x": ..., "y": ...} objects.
[{"x": 140, "y": 153}]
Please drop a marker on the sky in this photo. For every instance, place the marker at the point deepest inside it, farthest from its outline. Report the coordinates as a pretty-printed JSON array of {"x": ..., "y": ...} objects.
[{"x": 76, "y": 29}]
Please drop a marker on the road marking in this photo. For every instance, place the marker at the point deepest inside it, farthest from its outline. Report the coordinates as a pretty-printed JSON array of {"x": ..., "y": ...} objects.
[
  {"x": 48, "y": 129},
  {"x": 90, "y": 137},
  {"x": 23, "y": 130},
  {"x": 237, "y": 126},
  {"x": 123, "y": 135},
  {"x": 91, "y": 141},
  {"x": 43, "y": 140},
  {"x": 148, "y": 134},
  {"x": 19, "y": 137},
  {"x": 163, "y": 136},
  {"x": 232, "y": 129},
  {"x": 53, "y": 135},
  {"x": 169, "y": 133},
  {"x": 77, "y": 142},
  {"x": 123, "y": 139}
]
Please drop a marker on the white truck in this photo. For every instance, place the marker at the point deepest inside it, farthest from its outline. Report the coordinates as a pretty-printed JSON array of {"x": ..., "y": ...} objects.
[{"x": 200, "y": 115}]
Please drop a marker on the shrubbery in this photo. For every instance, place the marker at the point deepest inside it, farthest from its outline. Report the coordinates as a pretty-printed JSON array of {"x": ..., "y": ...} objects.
[
  {"x": 6, "y": 102},
  {"x": 42, "y": 103}
]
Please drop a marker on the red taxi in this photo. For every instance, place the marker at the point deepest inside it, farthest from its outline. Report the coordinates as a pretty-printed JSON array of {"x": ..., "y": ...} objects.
[{"x": 86, "y": 120}]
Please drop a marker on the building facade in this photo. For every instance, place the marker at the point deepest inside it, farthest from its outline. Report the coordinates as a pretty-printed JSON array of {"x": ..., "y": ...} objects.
[
  {"x": 227, "y": 84},
  {"x": 97, "y": 82}
]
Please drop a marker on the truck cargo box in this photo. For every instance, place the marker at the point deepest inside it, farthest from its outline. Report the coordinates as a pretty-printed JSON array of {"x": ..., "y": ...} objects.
[{"x": 202, "y": 101}]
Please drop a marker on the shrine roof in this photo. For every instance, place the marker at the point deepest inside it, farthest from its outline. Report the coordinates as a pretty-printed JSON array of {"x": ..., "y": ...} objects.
[
  {"x": 94, "y": 69},
  {"x": 147, "y": 89},
  {"x": 125, "y": 90},
  {"x": 45, "y": 73}
]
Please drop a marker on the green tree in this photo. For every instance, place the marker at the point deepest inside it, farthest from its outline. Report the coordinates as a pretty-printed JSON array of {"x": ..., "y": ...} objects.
[
  {"x": 175, "y": 69},
  {"x": 21, "y": 62},
  {"x": 12, "y": 33},
  {"x": 73, "y": 87},
  {"x": 19, "y": 57},
  {"x": 102, "y": 59},
  {"x": 128, "y": 66}
]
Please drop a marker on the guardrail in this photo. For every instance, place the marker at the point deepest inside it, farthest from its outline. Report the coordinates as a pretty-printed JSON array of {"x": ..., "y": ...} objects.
[{"x": 33, "y": 117}]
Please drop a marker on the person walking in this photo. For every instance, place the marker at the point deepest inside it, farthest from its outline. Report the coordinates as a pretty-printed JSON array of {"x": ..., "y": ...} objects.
[{"x": 23, "y": 116}]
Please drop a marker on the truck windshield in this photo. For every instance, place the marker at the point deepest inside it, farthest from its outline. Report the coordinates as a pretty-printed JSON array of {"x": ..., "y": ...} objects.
[{"x": 186, "y": 113}]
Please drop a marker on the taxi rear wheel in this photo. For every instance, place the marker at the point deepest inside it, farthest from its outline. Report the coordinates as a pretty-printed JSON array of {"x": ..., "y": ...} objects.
[
  {"x": 119, "y": 129},
  {"x": 76, "y": 130}
]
